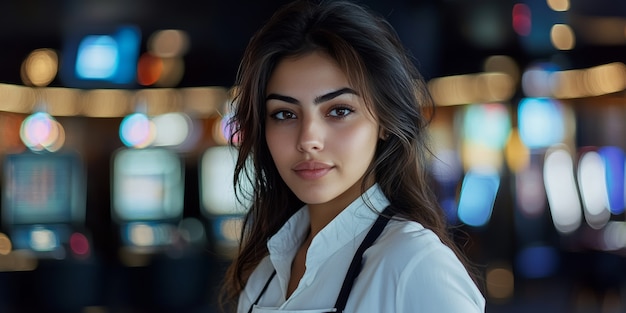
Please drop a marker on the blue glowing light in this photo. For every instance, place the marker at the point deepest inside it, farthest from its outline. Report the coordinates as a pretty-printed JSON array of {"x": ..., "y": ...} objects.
[
  {"x": 613, "y": 158},
  {"x": 98, "y": 57},
  {"x": 478, "y": 194},
  {"x": 541, "y": 123},
  {"x": 109, "y": 57}
]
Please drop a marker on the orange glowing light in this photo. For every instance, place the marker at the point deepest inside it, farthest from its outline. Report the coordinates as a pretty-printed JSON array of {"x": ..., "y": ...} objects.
[{"x": 149, "y": 69}]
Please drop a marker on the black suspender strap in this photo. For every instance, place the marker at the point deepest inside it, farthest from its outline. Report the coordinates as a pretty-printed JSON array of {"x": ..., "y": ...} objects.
[
  {"x": 267, "y": 284},
  {"x": 356, "y": 264}
]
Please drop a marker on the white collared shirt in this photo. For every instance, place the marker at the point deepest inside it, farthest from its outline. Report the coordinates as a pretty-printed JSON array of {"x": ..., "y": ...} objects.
[{"x": 407, "y": 269}]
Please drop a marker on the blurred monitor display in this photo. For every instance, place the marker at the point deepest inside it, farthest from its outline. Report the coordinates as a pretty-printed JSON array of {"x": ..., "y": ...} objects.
[
  {"x": 101, "y": 58},
  {"x": 42, "y": 189},
  {"x": 216, "y": 186},
  {"x": 148, "y": 184}
]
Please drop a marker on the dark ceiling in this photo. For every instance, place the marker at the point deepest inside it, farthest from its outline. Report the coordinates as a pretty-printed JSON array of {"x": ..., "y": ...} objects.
[{"x": 438, "y": 32}]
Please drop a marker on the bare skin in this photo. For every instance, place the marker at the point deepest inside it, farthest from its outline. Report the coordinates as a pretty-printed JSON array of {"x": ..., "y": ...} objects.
[{"x": 298, "y": 266}]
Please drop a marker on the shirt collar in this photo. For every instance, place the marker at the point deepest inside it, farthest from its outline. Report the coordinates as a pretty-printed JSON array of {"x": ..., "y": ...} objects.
[{"x": 352, "y": 221}]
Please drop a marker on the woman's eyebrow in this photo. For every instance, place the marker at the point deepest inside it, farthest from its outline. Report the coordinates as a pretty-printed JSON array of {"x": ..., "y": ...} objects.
[
  {"x": 288, "y": 99},
  {"x": 323, "y": 98},
  {"x": 333, "y": 94}
]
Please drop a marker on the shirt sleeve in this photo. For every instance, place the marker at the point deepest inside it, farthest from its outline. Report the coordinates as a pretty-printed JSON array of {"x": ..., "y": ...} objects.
[{"x": 436, "y": 281}]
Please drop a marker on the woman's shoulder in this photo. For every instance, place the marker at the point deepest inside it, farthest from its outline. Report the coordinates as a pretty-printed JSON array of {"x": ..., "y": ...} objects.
[
  {"x": 408, "y": 233},
  {"x": 414, "y": 258},
  {"x": 405, "y": 241}
]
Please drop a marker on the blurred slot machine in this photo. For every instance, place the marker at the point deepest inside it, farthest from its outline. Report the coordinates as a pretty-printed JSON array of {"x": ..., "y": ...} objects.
[
  {"x": 223, "y": 208},
  {"x": 43, "y": 204},
  {"x": 147, "y": 204},
  {"x": 162, "y": 254},
  {"x": 51, "y": 265}
]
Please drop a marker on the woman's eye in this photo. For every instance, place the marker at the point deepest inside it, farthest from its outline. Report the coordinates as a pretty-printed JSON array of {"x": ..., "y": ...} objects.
[
  {"x": 340, "y": 112},
  {"x": 283, "y": 115}
]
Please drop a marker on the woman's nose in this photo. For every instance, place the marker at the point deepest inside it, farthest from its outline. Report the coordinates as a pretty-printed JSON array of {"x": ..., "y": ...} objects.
[{"x": 311, "y": 135}]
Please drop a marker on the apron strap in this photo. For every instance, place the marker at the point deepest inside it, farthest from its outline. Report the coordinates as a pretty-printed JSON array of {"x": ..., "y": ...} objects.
[
  {"x": 355, "y": 265},
  {"x": 357, "y": 260},
  {"x": 267, "y": 284}
]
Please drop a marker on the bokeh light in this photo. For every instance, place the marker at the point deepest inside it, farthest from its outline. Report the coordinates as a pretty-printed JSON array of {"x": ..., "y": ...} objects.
[
  {"x": 40, "y": 67},
  {"x": 537, "y": 80},
  {"x": 5, "y": 244},
  {"x": 477, "y": 197},
  {"x": 500, "y": 283},
  {"x": 540, "y": 122},
  {"x": 562, "y": 37},
  {"x": 137, "y": 131},
  {"x": 593, "y": 192},
  {"x": 614, "y": 236},
  {"x": 484, "y": 132},
  {"x": 516, "y": 153},
  {"x": 561, "y": 190},
  {"x": 522, "y": 21},
  {"x": 223, "y": 130},
  {"x": 40, "y": 131},
  {"x": 43, "y": 239},
  {"x": 149, "y": 69},
  {"x": 168, "y": 43},
  {"x": 79, "y": 244},
  {"x": 613, "y": 158},
  {"x": 559, "y": 5},
  {"x": 141, "y": 235},
  {"x": 172, "y": 129}
]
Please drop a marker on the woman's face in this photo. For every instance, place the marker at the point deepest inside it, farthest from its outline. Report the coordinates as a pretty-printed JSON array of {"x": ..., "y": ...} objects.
[{"x": 320, "y": 134}]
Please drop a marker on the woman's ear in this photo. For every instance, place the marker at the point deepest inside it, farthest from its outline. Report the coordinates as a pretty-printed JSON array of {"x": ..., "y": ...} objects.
[{"x": 382, "y": 134}]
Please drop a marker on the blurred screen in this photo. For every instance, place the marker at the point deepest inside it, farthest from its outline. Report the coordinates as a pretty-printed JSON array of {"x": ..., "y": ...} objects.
[
  {"x": 41, "y": 188},
  {"x": 148, "y": 184},
  {"x": 101, "y": 58},
  {"x": 217, "y": 170},
  {"x": 148, "y": 192}
]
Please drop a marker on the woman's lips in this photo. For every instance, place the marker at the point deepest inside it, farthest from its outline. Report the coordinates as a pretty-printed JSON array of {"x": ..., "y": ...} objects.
[{"x": 311, "y": 170}]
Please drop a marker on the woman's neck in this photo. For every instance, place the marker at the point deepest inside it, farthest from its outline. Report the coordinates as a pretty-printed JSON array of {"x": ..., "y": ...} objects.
[
  {"x": 320, "y": 216},
  {"x": 323, "y": 213}
]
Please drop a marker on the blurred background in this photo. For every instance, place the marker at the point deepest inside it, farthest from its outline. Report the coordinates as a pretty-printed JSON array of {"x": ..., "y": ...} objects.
[{"x": 116, "y": 193}]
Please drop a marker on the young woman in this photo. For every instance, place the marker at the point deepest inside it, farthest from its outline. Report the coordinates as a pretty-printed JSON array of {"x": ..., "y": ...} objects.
[{"x": 330, "y": 111}]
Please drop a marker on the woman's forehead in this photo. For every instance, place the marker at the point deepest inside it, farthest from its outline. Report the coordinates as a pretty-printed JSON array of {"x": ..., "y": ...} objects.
[{"x": 312, "y": 74}]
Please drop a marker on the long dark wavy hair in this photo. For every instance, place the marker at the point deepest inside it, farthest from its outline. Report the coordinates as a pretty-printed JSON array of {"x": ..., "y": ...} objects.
[{"x": 371, "y": 55}]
